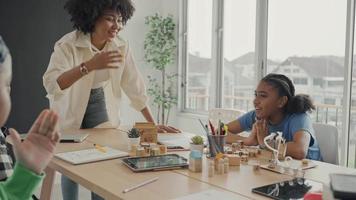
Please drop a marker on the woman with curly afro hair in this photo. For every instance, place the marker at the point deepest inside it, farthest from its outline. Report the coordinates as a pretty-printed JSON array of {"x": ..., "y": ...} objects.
[{"x": 90, "y": 68}]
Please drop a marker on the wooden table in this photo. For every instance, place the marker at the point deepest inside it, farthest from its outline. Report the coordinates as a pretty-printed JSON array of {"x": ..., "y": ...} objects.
[
  {"x": 109, "y": 178},
  {"x": 242, "y": 179}
]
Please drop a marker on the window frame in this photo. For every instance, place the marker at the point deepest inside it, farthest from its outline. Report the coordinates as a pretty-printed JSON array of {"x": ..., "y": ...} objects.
[{"x": 261, "y": 37}]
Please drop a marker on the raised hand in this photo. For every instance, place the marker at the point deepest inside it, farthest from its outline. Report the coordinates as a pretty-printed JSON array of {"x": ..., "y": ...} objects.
[
  {"x": 260, "y": 129},
  {"x": 105, "y": 60},
  {"x": 36, "y": 151}
]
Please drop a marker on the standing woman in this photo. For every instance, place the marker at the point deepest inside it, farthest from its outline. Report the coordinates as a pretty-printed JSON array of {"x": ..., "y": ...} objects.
[
  {"x": 90, "y": 68},
  {"x": 277, "y": 108}
]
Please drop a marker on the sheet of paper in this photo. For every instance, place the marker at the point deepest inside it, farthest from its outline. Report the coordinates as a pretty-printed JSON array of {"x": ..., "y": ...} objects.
[
  {"x": 210, "y": 195},
  {"x": 177, "y": 139},
  {"x": 90, "y": 155}
]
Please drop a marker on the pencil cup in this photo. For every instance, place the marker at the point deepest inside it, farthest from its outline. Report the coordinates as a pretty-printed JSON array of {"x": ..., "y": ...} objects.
[{"x": 216, "y": 144}]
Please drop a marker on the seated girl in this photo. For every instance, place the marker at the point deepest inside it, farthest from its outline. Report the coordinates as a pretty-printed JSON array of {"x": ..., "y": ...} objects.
[{"x": 277, "y": 108}]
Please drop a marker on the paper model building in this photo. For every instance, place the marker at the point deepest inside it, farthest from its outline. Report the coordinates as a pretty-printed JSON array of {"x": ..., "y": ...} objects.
[{"x": 148, "y": 131}]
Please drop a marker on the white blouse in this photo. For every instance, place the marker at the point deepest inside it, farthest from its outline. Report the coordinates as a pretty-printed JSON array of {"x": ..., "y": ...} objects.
[
  {"x": 70, "y": 104},
  {"x": 100, "y": 76}
]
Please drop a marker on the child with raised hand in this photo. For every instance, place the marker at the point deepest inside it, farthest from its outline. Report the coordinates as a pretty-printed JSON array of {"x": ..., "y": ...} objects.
[
  {"x": 277, "y": 108},
  {"x": 36, "y": 151}
]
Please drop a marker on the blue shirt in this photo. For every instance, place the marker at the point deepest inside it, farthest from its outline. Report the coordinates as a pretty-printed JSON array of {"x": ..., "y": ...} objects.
[{"x": 291, "y": 124}]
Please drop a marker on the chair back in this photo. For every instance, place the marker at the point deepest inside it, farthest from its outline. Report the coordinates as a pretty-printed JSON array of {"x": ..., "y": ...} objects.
[{"x": 327, "y": 137}]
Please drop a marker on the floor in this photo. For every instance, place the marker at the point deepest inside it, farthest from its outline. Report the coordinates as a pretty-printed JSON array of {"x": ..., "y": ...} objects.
[{"x": 84, "y": 194}]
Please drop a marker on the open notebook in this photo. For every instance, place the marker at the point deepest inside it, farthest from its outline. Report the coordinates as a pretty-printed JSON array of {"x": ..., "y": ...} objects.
[{"x": 90, "y": 155}]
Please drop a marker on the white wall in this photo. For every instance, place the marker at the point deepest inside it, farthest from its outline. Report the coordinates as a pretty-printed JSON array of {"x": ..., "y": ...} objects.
[{"x": 135, "y": 33}]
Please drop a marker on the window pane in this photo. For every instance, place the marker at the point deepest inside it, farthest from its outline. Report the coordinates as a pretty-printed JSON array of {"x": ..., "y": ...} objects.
[
  {"x": 239, "y": 58},
  {"x": 306, "y": 42},
  {"x": 352, "y": 141},
  {"x": 200, "y": 62}
]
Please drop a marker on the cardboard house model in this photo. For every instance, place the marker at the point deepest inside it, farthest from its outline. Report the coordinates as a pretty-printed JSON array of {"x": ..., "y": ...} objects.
[{"x": 148, "y": 131}]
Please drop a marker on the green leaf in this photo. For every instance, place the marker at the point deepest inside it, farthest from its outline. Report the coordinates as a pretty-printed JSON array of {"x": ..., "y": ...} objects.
[{"x": 160, "y": 48}]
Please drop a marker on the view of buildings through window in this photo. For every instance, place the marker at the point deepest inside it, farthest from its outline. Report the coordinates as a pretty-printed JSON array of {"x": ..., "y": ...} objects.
[
  {"x": 309, "y": 48},
  {"x": 199, "y": 47},
  {"x": 239, "y": 77}
]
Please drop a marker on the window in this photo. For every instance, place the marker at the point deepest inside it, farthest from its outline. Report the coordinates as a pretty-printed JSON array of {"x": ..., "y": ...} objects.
[
  {"x": 329, "y": 101},
  {"x": 239, "y": 41},
  {"x": 335, "y": 83},
  {"x": 318, "y": 82},
  {"x": 352, "y": 126},
  {"x": 300, "y": 81},
  {"x": 199, "y": 48},
  {"x": 239, "y": 56},
  {"x": 315, "y": 43}
]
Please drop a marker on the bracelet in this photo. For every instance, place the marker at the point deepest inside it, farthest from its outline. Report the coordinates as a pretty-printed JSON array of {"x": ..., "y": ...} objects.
[{"x": 83, "y": 69}]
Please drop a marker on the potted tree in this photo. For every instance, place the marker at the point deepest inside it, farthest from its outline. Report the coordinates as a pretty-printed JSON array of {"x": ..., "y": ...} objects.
[
  {"x": 197, "y": 143},
  {"x": 134, "y": 137},
  {"x": 160, "y": 47}
]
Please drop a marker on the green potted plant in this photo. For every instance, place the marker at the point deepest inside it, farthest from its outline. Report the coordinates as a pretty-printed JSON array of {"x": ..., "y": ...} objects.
[
  {"x": 134, "y": 137},
  {"x": 160, "y": 47},
  {"x": 197, "y": 143}
]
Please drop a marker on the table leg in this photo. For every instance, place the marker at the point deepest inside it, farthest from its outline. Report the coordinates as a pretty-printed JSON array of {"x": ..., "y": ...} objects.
[{"x": 47, "y": 185}]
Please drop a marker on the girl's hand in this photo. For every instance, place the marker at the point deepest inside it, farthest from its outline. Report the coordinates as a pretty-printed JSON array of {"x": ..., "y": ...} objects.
[{"x": 260, "y": 128}]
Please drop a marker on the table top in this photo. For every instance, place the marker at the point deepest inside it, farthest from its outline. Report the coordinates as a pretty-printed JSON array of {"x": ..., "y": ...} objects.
[{"x": 109, "y": 178}]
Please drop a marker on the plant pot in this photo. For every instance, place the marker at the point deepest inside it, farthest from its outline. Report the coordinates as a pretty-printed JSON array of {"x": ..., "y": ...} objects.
[
  {"x": 133, "y": 141},
  {"x": 198, "y": 147}
]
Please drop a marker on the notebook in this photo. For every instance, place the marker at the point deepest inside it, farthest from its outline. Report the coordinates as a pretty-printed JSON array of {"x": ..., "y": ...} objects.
[
  {"x": 90, "y": 155},
  {"x": 73, "y": 137}
]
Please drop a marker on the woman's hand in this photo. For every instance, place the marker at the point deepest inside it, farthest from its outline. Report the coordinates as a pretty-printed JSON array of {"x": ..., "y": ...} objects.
[
  {"x": 104, "y": 60},
  {"x": 36, "y": 151},
  {"x": 167, "y": 129}
]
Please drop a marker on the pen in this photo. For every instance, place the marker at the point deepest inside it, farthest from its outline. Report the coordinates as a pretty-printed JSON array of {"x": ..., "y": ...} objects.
[
  {"x": 204, "y": 127},
  {"x": 100, "y": 148},
  {"x": 219, "y": 128},
  {"x": 212, "y": 128},
  {"x": 225, "y": 129},
  {"x": 140, "y": 185}
]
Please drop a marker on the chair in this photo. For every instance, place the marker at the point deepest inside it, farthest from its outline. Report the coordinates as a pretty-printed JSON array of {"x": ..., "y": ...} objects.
[
  {"x": 327, "y": 137},
  {"x": 226, "y": 116}
]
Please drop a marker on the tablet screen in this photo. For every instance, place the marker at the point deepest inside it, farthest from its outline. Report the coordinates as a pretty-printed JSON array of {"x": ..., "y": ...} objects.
[
  {"x": 292, "y": 189},
  {"x": 156, "y": 162}
]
